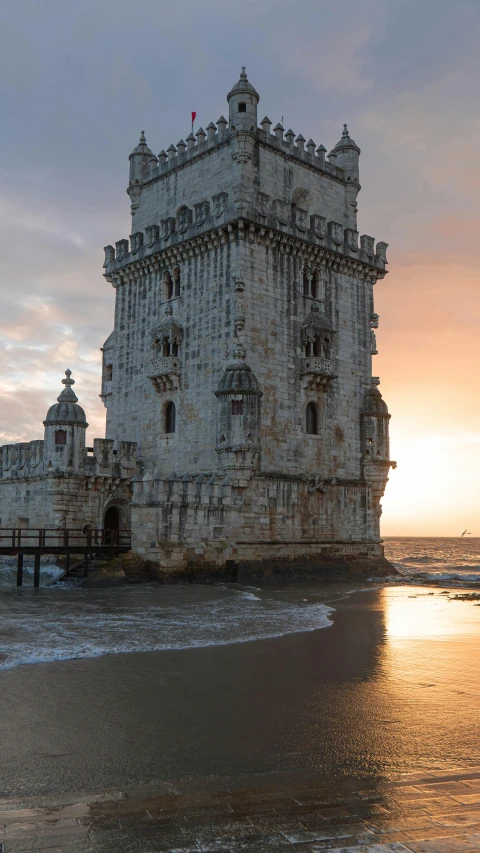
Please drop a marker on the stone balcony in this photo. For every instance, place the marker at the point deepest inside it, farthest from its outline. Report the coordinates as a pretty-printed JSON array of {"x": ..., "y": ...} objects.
[
  {"x": 165, "y": 373},
  {"x": 318, "y": 371}
]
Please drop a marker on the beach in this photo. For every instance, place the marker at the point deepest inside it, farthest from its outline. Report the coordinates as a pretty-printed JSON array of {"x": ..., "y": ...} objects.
[{"x": 387, "y": 685}]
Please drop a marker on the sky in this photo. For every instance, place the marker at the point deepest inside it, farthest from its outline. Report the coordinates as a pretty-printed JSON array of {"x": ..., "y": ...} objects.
[{"x": 78, "y": 81}]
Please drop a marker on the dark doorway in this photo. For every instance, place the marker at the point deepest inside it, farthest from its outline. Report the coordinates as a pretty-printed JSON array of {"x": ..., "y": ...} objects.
[{"x": 111, "y": 525}]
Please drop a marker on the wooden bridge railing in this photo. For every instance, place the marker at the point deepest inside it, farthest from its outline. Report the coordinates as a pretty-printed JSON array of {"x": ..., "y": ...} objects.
[
  {"x": 18, "y": 537},
  {"x": 38, "y": 541}
]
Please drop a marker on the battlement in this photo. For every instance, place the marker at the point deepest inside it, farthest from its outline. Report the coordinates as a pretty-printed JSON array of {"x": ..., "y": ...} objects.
[
  {"x": 201, "y": 144},
  {"x": 26, "y": 460},
  {"x": 270, "y": 223}
]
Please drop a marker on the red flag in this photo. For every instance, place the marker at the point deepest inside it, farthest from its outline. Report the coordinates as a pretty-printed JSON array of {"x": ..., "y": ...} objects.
[{"x": 194, "y": 115}]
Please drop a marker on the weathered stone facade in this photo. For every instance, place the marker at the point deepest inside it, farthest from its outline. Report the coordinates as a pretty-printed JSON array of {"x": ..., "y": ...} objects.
[
  {"x": 240, "y": 365},
  {"x": 60, "y": 483}
]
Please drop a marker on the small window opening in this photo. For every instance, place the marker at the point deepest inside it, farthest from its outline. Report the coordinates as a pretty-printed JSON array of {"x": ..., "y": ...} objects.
[
  {"x": 242, "y": 107},
  {"x": 326, "y": 348},
  {"x": 305, "y": 284},
  {"x": 237, "y": 407},
  {"x": 166, "y": 348},
  {"x": 311, "y": 419},
  {"x": 168, "y": 286},
  {"x": 170, "y": 417},
  {"x": 316, "y": 348},
  {"x": 108, "y": 372},
  {"x": 314, "y": 285},
  {"x": 176, "y": 279},
  {"x": 175, "y": 349},
  {"x": 60, "y": 436}
]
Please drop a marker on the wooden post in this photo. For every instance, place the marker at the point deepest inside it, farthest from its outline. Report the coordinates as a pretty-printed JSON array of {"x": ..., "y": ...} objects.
[
  {"x": 19, "y": 569},
  {"x": 36, "y": 571},
  {"x": 67, "y": 565},
  {"x": 85, "y": 570}
]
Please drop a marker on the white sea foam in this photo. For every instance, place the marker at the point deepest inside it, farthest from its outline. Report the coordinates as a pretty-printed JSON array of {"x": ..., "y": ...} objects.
[
  {"x": 8, "y": 572},
  {"x": 53, "y": 625}
]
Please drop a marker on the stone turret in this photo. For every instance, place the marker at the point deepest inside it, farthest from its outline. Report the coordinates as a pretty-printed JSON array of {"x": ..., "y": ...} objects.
[
  {"x": 346, "y": 155},
  {"x": 375, "y": 447},
  {"x": 238, "y": 440},
  {"x": 140, "y": 159},
  {"x": 65, "y": 425},
  {"x": 242, "y": 104}
]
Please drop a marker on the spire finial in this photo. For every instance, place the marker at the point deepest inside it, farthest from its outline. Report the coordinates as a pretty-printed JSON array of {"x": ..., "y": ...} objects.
[
  {"x": 143, "y": 139},
  {"x": 68, "y": 394},
  {"x": 68, "y": 381},
  {"x": 345, "y": 133},
  {"x": 239, "y": 352},
  {"x": 243, "y": 75}
]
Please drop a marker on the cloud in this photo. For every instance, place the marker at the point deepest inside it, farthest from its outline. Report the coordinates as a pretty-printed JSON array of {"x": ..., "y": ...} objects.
[{"x": 79, "y": 81}]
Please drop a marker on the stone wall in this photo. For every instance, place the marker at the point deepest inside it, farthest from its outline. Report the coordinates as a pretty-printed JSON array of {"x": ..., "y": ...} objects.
[{"x": 186, "y": 523}]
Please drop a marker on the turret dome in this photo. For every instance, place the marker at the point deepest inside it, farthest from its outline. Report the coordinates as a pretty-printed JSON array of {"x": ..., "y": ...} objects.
[
  {"x": 346, "y": 142},
  {"x": 374, "y": 403},
  {"x": 238, "y": 377},
  {"x": 243, "y": 87},
  {"x": 142, "y": 147},
  {"x": 66, "y": 410}
]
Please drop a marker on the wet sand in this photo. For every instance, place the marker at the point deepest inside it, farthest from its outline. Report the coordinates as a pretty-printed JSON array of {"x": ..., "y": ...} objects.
[{"x": 391, "y": 686}]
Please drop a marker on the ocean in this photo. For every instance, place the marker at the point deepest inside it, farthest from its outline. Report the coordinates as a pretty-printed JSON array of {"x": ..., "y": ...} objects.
[{"x": 59, "y": 623}]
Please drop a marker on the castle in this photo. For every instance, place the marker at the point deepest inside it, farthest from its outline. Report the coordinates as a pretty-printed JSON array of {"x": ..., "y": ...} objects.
[{"x": 244, "y": 427}]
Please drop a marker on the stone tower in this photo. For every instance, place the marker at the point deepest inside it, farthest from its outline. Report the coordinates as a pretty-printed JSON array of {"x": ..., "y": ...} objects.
[
  {"x": 241, "y": 357},
  {"x": 65, "y": 426}
]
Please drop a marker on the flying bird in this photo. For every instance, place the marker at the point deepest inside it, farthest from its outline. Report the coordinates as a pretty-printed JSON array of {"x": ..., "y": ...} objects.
[{"x": 466, "y": 532}]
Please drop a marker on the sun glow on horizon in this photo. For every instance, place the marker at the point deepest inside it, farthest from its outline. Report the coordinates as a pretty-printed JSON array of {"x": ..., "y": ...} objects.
[{"x": 434, "y": 490}]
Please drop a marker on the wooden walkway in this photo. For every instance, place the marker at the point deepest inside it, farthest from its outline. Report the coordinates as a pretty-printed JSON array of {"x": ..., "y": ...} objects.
[{"x": 21, "y": 542}]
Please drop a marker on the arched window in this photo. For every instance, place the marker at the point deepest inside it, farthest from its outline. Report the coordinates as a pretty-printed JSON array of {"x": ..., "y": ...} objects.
[
  {"x": 166, "y": 348},
  {"x": 175, "y": 348},
  {"x": 60, "y": 436},
  {"x": 237, "y": 407},
  {"x": 176, "y": 281},
  {"x": 168, "y": 286},
  {"x": 108, "y": 372},
  {"x": 311, "y": 419},
  {"x": 170, "y": 417},
  {"x": 326, "y": 348},
  {"x": 306, "y": 283},
  {"x": 314, "y": 285}
]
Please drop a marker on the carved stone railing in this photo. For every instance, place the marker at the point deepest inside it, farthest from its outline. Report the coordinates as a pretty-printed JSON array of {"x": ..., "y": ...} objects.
[
  {"x": 165, "y": 373},
  {"x": 320, "y": 371}
]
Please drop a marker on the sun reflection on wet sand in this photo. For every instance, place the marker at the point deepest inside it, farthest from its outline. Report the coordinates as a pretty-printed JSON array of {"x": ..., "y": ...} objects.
[
  {"x": 412, "y": 614},
  {"x": 430, "y": 673}
]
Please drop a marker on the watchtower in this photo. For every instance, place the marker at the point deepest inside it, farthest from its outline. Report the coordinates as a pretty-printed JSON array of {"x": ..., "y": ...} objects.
[{"x": 241, "y": 358}]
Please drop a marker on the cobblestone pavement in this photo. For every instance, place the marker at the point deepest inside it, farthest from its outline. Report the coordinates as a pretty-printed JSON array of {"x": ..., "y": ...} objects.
[{"x": 431, "y": 812}]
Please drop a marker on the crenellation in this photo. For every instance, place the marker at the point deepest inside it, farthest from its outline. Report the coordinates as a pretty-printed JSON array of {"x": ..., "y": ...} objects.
[{"x": 300, "y": 143}]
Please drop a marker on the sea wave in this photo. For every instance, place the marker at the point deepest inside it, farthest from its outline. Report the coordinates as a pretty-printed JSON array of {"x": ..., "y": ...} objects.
[
  {"x": 53, "y": 627},
  {"x": 49, "y": 573}
]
